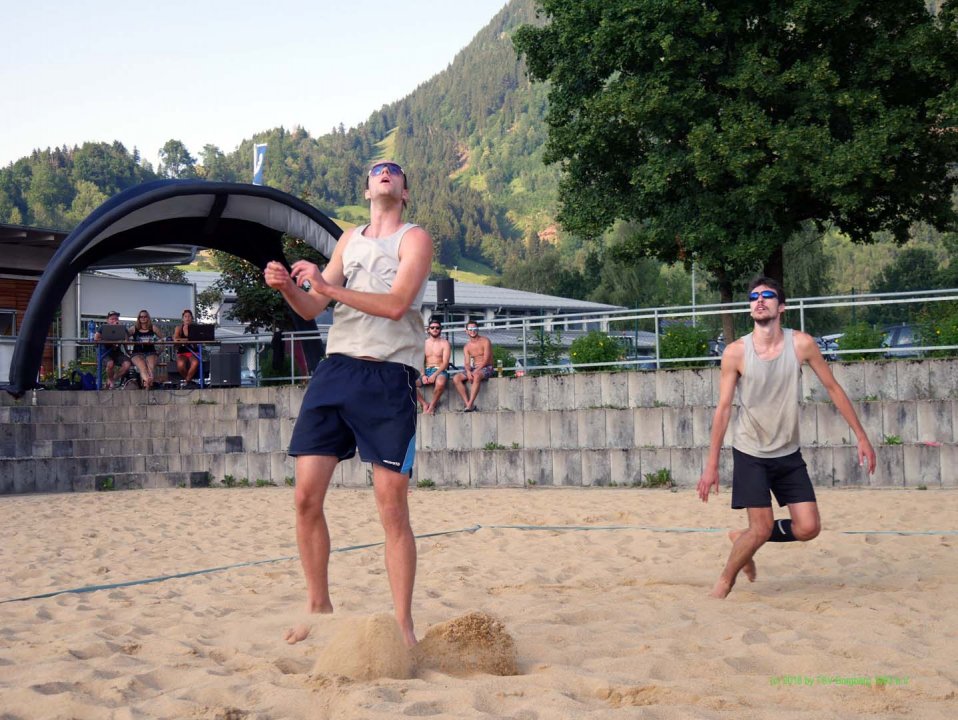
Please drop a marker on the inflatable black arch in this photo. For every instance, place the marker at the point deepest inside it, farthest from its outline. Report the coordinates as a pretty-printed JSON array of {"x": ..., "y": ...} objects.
[{"x": 248, "y": 221}]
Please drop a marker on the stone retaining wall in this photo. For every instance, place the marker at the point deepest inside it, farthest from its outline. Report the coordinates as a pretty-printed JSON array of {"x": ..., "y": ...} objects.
[{"x": 571, "y": 429}]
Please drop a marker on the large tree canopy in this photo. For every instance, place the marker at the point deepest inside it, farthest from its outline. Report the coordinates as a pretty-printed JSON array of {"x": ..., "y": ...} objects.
[{"x": 720, "y": 127}]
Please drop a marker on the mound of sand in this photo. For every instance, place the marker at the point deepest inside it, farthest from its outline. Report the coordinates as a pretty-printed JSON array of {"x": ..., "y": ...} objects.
[
  {"x": 472, "y": 643},
  {"x": 366, "y": 648}
]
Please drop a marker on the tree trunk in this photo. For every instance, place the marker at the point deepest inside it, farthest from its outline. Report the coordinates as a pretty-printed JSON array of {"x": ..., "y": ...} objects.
[
  {"x": 725, "y": 295},
  {"x": 775, "y": 265}
]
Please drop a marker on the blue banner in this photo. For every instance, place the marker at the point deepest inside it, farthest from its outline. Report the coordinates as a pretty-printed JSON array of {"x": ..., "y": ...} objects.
[{"x": 259, "y": 159}]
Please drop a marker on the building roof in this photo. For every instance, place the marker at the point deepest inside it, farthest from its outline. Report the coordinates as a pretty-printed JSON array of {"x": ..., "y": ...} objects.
[
  {"x": 28, "y": 250},
  {"x": 468, "y": 296}
]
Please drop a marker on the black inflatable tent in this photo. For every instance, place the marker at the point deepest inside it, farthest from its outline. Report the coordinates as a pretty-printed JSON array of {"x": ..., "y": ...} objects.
[{"x": 248, "y": 221}]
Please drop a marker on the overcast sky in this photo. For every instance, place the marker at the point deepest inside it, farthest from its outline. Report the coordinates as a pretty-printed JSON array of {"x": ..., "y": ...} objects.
[{"x": 214, "y": 71}]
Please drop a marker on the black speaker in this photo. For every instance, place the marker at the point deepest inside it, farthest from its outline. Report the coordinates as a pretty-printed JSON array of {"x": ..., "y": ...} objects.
[
  {"x": 445, "y": 291},
  {"x": 225, "y": 369}
]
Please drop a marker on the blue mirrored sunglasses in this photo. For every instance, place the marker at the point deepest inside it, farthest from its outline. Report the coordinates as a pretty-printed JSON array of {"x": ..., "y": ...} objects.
[
  {"x": 378, "y": 168},
  {"x": 767, "y": 294}
]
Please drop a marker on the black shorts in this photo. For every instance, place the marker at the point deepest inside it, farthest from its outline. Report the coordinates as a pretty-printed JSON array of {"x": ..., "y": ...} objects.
[
  {"x": 116, "y": 355},
  {"x": 364, "y": 403},
  {"x": 755, "y": 478}
]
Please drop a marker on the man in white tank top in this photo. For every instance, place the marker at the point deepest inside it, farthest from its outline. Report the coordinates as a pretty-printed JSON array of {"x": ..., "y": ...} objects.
[
  {"x": 364, "y": 393},
  {"x": 765, "y": 366}
]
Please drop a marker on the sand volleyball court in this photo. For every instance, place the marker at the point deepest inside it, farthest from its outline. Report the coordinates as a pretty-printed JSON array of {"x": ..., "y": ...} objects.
[{"x": 608, "y": 620}]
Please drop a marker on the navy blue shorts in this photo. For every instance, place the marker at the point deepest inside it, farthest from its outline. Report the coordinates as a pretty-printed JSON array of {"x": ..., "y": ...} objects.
[
  {"x": 754, "y": 479},
  {"x": 354, "y": 403}
]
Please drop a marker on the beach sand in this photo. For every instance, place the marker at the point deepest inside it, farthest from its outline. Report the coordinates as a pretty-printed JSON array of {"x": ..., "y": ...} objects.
[{"x": 605, "y": 623}]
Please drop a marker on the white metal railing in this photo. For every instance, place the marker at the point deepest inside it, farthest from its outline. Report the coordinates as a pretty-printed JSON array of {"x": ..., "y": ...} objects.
[{"x": 527, "y": 328}]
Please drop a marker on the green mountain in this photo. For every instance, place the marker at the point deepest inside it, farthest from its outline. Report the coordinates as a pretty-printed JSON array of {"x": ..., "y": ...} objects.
[{"x": 470, "y": 139}]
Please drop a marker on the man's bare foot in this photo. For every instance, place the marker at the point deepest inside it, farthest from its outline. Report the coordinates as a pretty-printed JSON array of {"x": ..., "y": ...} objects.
[
  {"x": 722, "y": 589},
  {"x": 297, "y": 633},
  {"x": 408, "y": 636},
  {"x": 749, "y": 568}
]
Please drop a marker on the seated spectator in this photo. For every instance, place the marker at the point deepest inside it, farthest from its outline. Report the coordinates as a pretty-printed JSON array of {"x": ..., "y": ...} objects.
[
  {"x": 477, "y": 361},
  {"x": 187, "y": 355},
  {"x": 144, "y": 355},
  {"x": 438, "y": 352},
  {"x": 115, "y": 355}
]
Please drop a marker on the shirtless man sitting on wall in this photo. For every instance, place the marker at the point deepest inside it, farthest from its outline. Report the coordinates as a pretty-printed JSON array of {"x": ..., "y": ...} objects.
[{"x": 438, "y": 352}]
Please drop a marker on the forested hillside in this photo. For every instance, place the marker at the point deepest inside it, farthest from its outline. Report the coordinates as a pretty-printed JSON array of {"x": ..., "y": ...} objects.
[{"x": 471, "y": 139}]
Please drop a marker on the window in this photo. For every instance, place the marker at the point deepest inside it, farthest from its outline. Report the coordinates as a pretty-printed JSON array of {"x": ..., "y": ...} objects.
[{"x": 8, "y": 322}]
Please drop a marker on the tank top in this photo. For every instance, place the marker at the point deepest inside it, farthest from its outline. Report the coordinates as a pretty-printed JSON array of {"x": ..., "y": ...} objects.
[
  {"x": 768, "y": 393},
  {"x": 185, "y": 349},
  {"x": 139, "y": 336},
  {"x": 370, "y": 265}
]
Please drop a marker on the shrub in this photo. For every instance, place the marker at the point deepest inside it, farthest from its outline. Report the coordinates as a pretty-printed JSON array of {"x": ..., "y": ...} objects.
[
  {"x": 941, "y": 329},
  {"x": 684, "y": 341},
  {"x": 544, "y": 348},
  {"x": 660, "y": 478},
  {"x": 505, "y": 359},
  {"x": 860, "y": 336},
  {"x": 596, "y": 347}
]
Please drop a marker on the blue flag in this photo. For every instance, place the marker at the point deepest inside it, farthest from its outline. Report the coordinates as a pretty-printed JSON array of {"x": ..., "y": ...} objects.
[{"x": 259, "y": 159}]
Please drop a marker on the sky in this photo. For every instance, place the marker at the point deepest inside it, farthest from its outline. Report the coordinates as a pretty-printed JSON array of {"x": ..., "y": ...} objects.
[{"x": 214, "y": 71}]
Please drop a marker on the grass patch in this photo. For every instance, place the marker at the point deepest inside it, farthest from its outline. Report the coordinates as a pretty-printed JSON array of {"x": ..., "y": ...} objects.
[
  {"x": 893, "y": 440},
  {"x": 386, "y": 148},
  {"x": 661, "y": 478},
  {"x": 425, "y": 484}
]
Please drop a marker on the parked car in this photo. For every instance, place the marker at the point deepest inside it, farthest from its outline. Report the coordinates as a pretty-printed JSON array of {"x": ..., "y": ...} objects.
[{"x": 900, "y": 341}]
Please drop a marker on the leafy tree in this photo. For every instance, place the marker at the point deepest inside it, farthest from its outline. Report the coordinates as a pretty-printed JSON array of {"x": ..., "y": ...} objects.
[
  {"x": 162, "y": 273},
  {"x": 915, "y": 268},
  {"x": 215, "y": 165},
  {"x": 721, "y": 127},
  {"x": 87, "y": 199},
  {"x": 544, "y": 348},
  {"x": 257, "y": 305},
  {"x": 176, "y": 161}
]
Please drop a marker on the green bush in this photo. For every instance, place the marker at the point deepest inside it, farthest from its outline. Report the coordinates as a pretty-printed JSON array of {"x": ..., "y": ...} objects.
[
  {"x": 941, "y": 329},
  {"x": 505, "y": 359},
  {"x": 596, "y": 347},
  {"x": 860, "y": 336},
  {"x": 544, "y": 348},
  {"x": 684, "y": 341}
]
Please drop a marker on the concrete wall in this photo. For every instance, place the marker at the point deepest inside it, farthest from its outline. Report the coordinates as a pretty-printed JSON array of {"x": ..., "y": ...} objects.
[{"x": 571, "y": 429}]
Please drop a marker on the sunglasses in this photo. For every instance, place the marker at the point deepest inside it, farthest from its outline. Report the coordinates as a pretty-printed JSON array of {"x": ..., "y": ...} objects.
[
  {"x": 471, "y": 330},
  {"x": 766, "y": 294},
  {"x": 435, "y": 327},
  {"x": 378, "y": 168}
]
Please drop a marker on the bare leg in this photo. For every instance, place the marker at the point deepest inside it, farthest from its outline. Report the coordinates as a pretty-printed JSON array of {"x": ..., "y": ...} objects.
[
  {"x": 145, "y": 375},
  {"x": 744, "y": 548},
  {"x": 391, "y": 500},
  {"x": 151, "y": 364},
  {"x": 194, "y": 366},
  {"x": 439, "y": 387},
  {"x": 749, "y": 567},
  {"x": 421, "y": 397},
  {"x": 109, "y": 374},
  {"x": 806, "y": 522},
  {"x": 459, "y": 381},
  {"x": 313, "y": 473},
  {"x": 476, "y": 385}
]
